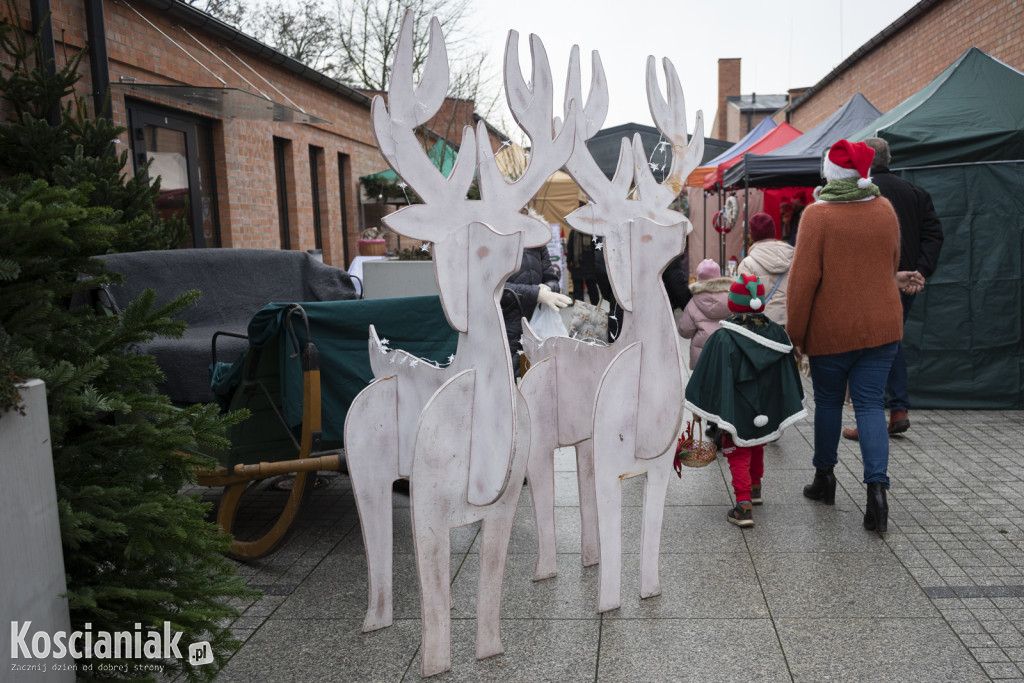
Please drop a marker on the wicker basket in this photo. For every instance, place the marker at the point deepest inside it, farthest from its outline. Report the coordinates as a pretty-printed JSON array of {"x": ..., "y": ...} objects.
[
  {"x": 692, "y": 450},
  {"x": 372, "y": 247}
]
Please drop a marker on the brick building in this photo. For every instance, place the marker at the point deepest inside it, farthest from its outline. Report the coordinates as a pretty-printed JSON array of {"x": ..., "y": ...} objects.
[
  {"x": 259, "y": 149},
  {"x": 739, "y": 114},
  {"x": 914, "y": 49}
]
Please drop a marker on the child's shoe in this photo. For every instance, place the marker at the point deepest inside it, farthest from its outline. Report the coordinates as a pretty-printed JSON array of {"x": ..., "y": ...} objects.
[
  {"x": 742, "y": 515},
  {"x": 755, "y": 494}
]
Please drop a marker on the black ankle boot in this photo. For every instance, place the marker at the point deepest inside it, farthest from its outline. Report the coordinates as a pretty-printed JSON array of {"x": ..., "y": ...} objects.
[
  {"x": 823, "y": 487},
  {"x": 876, "y": 518}
]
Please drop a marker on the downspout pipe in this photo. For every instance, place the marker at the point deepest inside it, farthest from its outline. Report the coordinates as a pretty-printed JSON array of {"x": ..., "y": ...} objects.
[
  {"x": 42, "y": 27},
  {"x": 98, "y": 63}
]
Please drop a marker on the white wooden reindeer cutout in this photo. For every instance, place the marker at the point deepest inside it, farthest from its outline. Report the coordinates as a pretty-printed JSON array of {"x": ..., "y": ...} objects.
[
  {"x": 627, "y": 399},
  {"x": 460, "y": 433}
]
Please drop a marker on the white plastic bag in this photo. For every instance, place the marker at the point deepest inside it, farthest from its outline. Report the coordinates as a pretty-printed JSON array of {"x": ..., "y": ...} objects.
[{"x": 547, "y": 322}]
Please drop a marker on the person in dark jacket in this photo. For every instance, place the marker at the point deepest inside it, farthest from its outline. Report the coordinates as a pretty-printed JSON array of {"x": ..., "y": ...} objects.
[
  {"x": 582, "y": 268},
  {"x": 920, "y": 244},
  {"x": 535, "y": 283},
  {"x": 677, "y": 279}
]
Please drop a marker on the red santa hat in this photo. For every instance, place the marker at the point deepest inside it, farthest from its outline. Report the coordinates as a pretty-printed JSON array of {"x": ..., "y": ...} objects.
[{"x": 849, "y": 160}]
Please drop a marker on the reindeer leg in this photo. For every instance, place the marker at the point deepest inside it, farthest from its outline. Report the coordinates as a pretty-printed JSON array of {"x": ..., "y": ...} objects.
[
  {"x": 433, "y": 550},
  {"x": 615, "y": 420},
  {"x": 371, "y": 442},
  {"x": 589, "y": 542},
  {"x": 440, "y": 473},
  {"x": 495, "y": 533},
  {"x": 650, "y": 536},
  {"x": 538, "y": 389}
]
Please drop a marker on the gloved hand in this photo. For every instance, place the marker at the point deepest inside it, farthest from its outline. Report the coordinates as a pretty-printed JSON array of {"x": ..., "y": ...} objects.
[{"x": 552, "y": 300}]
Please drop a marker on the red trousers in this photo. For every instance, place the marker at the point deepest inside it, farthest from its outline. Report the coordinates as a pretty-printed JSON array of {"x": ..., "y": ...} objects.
[{"x": 746, "y": 463}]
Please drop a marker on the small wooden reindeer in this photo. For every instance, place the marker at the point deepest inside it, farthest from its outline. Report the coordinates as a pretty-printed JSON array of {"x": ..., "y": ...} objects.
[
  {"x": 626, "y": 405},
  {"x": 460, "y": 433}
]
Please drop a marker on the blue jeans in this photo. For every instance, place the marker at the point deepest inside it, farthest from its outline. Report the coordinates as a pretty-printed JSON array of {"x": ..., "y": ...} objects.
[
  {"x": 899, "y": 395},
  {"x": 865, "y": 371}
]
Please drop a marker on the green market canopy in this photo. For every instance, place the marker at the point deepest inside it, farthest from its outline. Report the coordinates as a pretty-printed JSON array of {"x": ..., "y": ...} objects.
[{"x": 961, "y": 137}]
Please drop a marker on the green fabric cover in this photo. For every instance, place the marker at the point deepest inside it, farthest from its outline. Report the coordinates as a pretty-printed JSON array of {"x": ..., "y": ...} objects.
[
  {"x": 441, "y": 154},
  {"x": 739, "y": 377},
  {"x": 963, "y": 340},
  {"x": 961, "y": 137},
  {"x": 340, "y": 331}
]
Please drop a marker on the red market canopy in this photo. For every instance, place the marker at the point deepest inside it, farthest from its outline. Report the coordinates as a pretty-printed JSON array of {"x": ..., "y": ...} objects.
[
  {"x": 773, "y": 139},
  {"x": 696, "y": 178}
]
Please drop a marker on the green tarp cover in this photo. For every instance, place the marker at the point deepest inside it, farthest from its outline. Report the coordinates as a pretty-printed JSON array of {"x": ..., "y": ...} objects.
[
  {"x": 441, "y": 154},
  {"x": 971, "y": 112},
  {"x": 961, "y": 137},
  {"x": 340, "y": 331},
  {"x": 963, "y": 339}
]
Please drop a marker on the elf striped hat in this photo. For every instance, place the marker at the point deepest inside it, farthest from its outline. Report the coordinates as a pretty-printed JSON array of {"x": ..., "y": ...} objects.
[{"x": 746, "y": 295}]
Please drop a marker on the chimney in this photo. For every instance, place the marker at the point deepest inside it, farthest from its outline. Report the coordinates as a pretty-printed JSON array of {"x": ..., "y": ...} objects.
[{"x": 728, "y": 85}]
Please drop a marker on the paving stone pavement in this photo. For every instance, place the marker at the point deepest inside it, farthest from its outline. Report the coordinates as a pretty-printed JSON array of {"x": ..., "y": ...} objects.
[{"x": 805, "y": 595}]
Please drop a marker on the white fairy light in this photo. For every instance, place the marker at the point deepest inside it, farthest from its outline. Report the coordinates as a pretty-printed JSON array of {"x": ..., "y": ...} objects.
[{"x": 425, "y": 246}]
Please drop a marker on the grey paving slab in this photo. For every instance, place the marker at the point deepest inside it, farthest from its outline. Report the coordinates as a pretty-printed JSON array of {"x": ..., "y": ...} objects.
[
  {"x": 834, "y": 585},
  {"x": 693, "y": 586},
  {"x": 337, "y": 588},
  {"x": 535, "y": 650},
  {"x": 570, "y": 595},
  {"x": 704, "y": 650},
  {"x": 810, "y": 527},
  {"x": 329, "y": 649},
  {"x": 805, "y": 595},
  {"x": 869, "y": 650}
]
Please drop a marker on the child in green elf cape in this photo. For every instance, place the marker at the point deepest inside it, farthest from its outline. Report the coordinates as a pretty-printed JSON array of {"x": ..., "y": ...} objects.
[{"x": 747, "y": 381}]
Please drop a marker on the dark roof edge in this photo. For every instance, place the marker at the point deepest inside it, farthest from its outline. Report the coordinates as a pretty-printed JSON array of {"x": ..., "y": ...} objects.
[
  {"x": 888, "y": 32},
  {"x": 201, "y": 20}
]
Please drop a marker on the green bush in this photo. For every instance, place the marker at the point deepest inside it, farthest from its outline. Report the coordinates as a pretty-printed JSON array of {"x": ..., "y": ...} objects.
[{"x": 135, "y": 549}]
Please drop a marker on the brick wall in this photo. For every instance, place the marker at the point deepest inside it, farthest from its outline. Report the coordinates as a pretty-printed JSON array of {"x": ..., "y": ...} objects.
[
  {"x": 919, "y": 52},
  {"x": 728, "y": 84},
  {"x": 140, "y": 50}
]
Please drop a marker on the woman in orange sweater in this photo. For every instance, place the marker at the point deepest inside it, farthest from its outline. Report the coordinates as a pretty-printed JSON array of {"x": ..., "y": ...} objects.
[{"x": 844, "y": 312}]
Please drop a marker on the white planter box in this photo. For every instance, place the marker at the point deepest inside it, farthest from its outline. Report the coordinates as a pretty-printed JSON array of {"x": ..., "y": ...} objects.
[
  {"x": 389, "y": 279},
  {"x": 31, "y": 562}
]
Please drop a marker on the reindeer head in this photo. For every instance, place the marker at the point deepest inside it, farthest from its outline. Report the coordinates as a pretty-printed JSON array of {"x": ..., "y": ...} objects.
[
  {"x": 614, "y": 211},
  {"x": 447, "y": 217}
]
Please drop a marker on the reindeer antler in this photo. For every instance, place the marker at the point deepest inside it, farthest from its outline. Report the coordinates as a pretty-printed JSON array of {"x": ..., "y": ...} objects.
[
  {"x": 581, "y": 165},
  {"x": 409, "y": 106},
  {"x": 670, "y": 118},
  {"x": 531, "y": 106}
]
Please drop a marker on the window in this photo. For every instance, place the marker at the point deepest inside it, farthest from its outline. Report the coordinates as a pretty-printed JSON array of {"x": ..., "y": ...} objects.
[
  {"x": 316, "y": 160},
  {"x": 343, "y": 177},
  {"x": 282, "y": 153},
  {"x": 179, "y": 148}
]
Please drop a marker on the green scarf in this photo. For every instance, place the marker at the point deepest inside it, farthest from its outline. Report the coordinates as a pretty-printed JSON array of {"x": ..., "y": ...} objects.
[{"x": 846, "y": 190}]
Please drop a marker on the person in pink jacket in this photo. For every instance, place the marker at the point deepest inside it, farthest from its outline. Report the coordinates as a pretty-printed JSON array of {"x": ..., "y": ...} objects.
[{"x": 708, "y": 306}]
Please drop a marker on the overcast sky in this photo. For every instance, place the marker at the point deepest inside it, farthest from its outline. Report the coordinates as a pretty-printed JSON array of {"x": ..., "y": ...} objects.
[{"x": 782, "y": 44}]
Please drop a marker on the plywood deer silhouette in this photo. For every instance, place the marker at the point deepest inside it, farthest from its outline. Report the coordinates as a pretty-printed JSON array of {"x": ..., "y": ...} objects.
[
  {"x": 626, "y": 404},
  {"x": 460, "y": 433}
]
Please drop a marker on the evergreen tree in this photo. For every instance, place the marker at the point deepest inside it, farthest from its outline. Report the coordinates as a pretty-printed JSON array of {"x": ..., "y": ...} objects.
[
  {"x": 136, "y": 551},
  {"x": 78, "y": 151}
]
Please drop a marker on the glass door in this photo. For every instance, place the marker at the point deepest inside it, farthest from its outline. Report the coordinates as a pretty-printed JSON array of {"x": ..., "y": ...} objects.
[{"x": 181, "y": 150}]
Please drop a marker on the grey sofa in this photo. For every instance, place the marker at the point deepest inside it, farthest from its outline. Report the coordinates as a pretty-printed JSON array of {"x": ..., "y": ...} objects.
[{"x": 235, "y": 284}]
